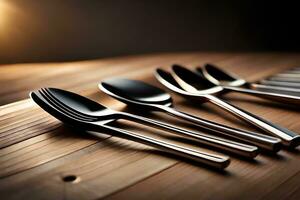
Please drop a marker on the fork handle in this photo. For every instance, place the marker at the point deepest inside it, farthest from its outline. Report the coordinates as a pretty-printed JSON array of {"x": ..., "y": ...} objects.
[
  {"x": 288, "y": 137},
  {"x": 266, "y": 95},
  {"x": 214, "y": 141},
  {"x": 217, "y": 161}
]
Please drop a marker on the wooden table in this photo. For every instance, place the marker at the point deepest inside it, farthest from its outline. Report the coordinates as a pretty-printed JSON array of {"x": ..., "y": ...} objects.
[{"x": 40, "y": 158}]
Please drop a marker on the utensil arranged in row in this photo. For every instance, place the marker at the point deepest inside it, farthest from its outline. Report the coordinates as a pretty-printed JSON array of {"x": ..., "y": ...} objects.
[
  {"x": 280, "y": 90},
  {"x": 99, "y": 112},
  {"x": 284, "y": 84},
  {"x": 138, "y": 94},
  {"x": 232, "y": 83},
  {"x": 83, "y": 113},
  {"x": 291, "y": 75},
  {"x": 284, "y": 79},
  {"x": 293, "y": 70},
  {"x": 289, "y": 79},
  {"x": 86, "y": 114},
  {"x": 193, "y": 85},
  {"x": 288, "y": 75}
]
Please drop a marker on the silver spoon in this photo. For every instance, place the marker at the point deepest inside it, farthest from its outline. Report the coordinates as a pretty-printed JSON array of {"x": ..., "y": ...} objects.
[
  {"x": 150, "y": 98},
  {"x": 283, "y": 84},
  {"x": 78, "y": 115},
  {"x": 293, "y": 71},
  {"x": 292, "y": 76},
  {"x": 284, "y": 79},
  {"x": 288, "y": 75},
  {"x": 231, "y": 82},
  {"x": 199, "y": 87}
]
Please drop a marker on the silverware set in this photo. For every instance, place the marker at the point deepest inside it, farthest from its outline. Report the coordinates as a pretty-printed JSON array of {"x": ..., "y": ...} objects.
[
  {"x": 202, "y": 84},
  {"x": 285, "y": 82},
  {"x": 233, "y": 83}
]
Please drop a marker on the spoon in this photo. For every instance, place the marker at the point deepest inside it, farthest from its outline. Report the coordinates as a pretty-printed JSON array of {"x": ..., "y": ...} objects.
[
  {"x": 202, "y": 88},
  {"x": 150, "y": 98},
  {"x": 292, "y": 71},
  {"x": 231, "y": 82},
  {"x": 83, "y": 120},
  {"x": 285, "y": 79},
  {"x": 99, "y": 112},
  {"x": 288, "y": 75},
  {"x": 283, "y": 84}
]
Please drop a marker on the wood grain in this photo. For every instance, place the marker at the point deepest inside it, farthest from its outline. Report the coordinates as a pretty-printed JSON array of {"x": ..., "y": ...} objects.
[{"x": 37, "y": 151}]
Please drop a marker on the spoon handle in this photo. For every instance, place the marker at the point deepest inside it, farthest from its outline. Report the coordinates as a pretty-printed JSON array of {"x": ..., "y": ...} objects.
[
  {"x": 214, "y": 141},
  {"x": 284, "y": 79},
  {"x": 280, "y": 84},
  {"x": 276, "y": 89},
  {"x": 266, "y": 95},
  {"x": 216, "y": 161},
  {"x": 288, "y": 137},
  {"x": 263, "y": 141}
]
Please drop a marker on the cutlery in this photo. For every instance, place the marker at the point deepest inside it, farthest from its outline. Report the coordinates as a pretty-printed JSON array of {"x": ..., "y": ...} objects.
[
  {"x": 281, "y": 90},
  {"x": 150, "y": 98},
  {"x": 293, "y": 71},
  {"x": 74, "y": 117},
  {"x": 231, "y": 82},
  {"x": 284, "y": 79},
  {"x": 288, "y": 75},
  {"x": 281, "y": 84},
  {"x": 202, "y": 89}
]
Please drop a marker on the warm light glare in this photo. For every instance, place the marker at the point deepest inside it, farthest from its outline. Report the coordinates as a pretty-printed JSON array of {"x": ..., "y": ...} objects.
[
  {"x": 3, "y": 11},
  {"x": 16, "y": 24},
  {"x": 9, "y": 13}
]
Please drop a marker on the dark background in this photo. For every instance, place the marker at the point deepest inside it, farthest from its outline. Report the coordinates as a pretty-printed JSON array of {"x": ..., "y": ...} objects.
[{"x": 57, "y": 30}]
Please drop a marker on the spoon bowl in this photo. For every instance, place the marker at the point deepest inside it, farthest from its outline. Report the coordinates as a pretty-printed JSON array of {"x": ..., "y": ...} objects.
[
  {"x": 220, "y": 77},
  {"x": 166, "y": 79},
  {"x": 193, "y": 82},
  {"x": 135, "y": 93}
]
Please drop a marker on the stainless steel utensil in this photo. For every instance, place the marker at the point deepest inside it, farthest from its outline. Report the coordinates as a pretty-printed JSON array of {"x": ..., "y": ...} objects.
[
  {"x": 284, "y": 84},
  {"x": 150, "y": 98},
  {"x": 198, "y": 87},
  {"x": 232, "y": 83}
]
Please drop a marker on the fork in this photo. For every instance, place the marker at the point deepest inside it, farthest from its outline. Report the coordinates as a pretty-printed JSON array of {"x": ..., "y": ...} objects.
[{"x": 75, "y": 118}]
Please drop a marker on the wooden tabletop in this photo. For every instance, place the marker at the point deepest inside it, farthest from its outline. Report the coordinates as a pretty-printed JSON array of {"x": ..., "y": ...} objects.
[{"x": 40, "y": 158}]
